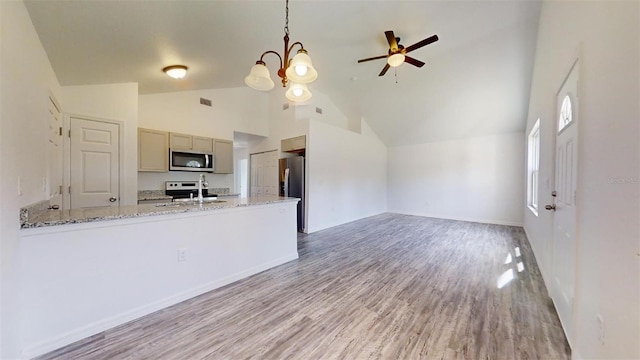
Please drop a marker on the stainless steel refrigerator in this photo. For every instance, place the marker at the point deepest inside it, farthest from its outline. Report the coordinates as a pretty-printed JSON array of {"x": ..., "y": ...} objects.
[{"x": 292, "y": 183}]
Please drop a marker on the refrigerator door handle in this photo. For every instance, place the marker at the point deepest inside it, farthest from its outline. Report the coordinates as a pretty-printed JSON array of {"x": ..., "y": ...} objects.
[{"x": 286, "y": 182}]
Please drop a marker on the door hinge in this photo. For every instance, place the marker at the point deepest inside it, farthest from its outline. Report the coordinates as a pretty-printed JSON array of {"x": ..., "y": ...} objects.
[
  {"x": 60, "y": 132},
  {"x": 69, "y": 189},
  {"x": 69, "y": 133},
  {"x": 60, "y": 190}
]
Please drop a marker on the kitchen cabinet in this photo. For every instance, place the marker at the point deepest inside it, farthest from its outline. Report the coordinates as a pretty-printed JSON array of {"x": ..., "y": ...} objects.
[
  {"x": 223, "y": 154},
  {"x": 202, "y": 144},
  {"x": 153, "y": 150},
  {"x": 293, "y": 144},
  {"x": 190, "y": 142}
]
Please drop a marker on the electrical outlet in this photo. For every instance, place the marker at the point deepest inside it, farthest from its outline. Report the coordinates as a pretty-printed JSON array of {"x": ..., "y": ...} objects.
[
  {"x": 182, "y": 254},
  {"x": 600, "y": 329}
]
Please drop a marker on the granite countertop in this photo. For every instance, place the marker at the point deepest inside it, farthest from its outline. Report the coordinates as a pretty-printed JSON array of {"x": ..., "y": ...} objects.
[{"x": 37, "y": 216}]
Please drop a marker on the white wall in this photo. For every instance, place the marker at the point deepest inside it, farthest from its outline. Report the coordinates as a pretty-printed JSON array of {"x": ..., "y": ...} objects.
[
  {"x": 476, "y": 179},
  {"x": 111, "y": 102},
  {"x": 236, "y": 109},
  {"x": 346, "y": 175},
  {"x": 26, "y": 78},
  {"x": 606, "y": 36}
]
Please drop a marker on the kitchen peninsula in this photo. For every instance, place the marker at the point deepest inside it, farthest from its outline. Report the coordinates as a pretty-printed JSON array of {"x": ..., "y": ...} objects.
[{"x": 88, "y": 270}]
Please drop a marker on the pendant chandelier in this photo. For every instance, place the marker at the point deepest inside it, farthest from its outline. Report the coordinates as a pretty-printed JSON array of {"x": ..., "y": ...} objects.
[{"x": 296, "y": 72}]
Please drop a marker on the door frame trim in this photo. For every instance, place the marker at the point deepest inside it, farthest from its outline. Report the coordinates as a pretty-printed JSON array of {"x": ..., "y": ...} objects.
[
  {"x": 66, "y": 181},
  {"x": 574, "y": 61}
]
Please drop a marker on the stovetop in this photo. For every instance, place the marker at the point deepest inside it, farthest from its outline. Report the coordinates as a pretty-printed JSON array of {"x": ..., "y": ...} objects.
[{"x": 183, "y": 189}]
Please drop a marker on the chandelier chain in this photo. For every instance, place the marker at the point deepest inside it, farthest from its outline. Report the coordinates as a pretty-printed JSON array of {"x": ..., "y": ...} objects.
[{"x": 286, "y": 24}]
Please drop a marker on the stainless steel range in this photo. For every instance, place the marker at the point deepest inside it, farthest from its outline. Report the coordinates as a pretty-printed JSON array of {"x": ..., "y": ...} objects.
[{"x": 184, "y": 189}]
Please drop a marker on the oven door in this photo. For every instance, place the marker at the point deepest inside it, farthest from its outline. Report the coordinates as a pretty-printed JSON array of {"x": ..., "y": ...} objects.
[{"x": 190, "y": 161}]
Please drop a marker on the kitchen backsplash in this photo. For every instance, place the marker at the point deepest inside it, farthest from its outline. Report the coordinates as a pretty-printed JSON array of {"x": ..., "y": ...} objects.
[{"x": 155, "y": 181}]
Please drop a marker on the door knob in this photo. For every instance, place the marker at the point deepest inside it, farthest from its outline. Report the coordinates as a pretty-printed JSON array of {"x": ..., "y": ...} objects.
[
  {"x": 112, "y": 199},
  {"x": 550, "y": 207}
]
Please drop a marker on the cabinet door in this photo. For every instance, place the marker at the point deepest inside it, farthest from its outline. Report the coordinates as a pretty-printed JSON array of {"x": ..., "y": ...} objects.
[
  {"x": 299, "y": 142},
  {"x": 292, "y": 144},
  {"x": 180, "y": 141},
  {"x": 202, "y": 144},
  {"x": 223, "y": 152},
  {"x": 153, "y": 150}
]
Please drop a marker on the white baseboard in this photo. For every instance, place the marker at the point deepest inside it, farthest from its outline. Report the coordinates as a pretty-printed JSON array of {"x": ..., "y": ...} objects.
[{"x": 135, "y": 313}]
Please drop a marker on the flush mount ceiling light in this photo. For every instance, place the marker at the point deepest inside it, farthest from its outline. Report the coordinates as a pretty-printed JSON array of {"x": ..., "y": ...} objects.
[
  {"x": 298, "y": 70},
  {"x": 176, "y": 71}
]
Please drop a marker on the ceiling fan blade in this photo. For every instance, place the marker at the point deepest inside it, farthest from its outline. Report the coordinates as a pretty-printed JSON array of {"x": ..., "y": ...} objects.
[
  {"x": 422, "y": 43},
  {"x": 373, "y": 58},
  {"x": 384, "y": 70},
  {"x": 391, "y": 39},
  {"x": 413, "y": 61}
]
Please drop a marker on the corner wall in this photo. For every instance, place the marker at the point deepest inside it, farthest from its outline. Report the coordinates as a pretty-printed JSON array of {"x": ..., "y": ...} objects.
[
  {"x": 605, "y": 35},
  {"x": 346, "y": 175},
  {"x": 26, "y": 81},
  {"x": 476, "y": 179}
]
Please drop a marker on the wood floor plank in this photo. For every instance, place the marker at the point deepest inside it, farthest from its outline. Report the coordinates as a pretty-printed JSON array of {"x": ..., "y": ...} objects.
[{"x": 386, "y": 287}]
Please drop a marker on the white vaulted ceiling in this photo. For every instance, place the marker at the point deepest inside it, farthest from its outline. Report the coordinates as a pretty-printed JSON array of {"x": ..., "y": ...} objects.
[{"x": 476, "y": 80}]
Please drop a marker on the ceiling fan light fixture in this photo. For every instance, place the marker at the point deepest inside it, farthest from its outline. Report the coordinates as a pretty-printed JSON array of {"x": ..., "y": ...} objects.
[
  {"x": 259, "y": 78},
  {"x": 301, "y": 69},
  {"x": 395, "y": 60},
  {"x": 176, "y": 71},
  {"x": 298, "y": 92}
]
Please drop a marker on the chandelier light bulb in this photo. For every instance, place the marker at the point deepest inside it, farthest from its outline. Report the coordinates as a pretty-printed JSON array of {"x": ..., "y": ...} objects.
[
  {"x": 298, "y": 92},
  {"x": 301, "y": 70}
]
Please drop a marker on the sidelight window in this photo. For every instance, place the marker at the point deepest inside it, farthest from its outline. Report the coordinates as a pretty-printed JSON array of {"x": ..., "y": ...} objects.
[{"x": 533, "y": 165}]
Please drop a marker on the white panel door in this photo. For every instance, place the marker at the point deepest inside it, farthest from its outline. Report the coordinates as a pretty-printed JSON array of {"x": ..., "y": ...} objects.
[
  {"x": 256, "y": 174},
  {"x": 564, "y": 219},
  {"x": 94, "y": 163},
  {"x": 54, "y": 183},
  {"x": 270, "y": 179}
]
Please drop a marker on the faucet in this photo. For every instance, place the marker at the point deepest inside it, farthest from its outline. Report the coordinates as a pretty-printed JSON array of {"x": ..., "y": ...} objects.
[{"x": 202, "y": 182}]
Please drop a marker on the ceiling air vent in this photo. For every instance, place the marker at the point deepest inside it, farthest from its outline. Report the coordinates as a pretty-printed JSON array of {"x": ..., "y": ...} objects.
[
  {"x": 204, "y": 101},
  {"x": 319, "y": 110}
]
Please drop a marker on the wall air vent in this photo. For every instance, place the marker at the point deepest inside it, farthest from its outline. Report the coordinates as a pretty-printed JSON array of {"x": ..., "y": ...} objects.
[
  {"x": 319, "y": 110},
  {"x": 204, "y": 101}
]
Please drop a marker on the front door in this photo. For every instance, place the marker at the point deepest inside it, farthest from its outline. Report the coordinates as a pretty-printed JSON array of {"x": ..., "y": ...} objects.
[
  {"x": 95, "y": 163},
  {"x": 564, "y": 220}
]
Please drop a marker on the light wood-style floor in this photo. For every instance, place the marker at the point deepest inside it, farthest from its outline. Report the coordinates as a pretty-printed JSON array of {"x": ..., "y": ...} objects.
[{"x": 386, "y": 287}]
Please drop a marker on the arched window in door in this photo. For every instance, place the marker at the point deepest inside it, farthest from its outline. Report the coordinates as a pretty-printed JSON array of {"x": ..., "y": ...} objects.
[{"x": 566, "y": 115}]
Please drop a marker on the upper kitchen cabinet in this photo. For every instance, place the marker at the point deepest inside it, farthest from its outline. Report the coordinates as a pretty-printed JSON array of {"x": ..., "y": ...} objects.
[
  {"x": 294, "y": 144},
  {"x": 223, "y": 152},
  {"x": 153, "y": 150},
  {"x": 190, "y": 142}
]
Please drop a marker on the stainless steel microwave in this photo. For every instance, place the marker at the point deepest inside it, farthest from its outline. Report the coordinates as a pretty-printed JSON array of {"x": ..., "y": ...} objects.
[{"x": 189, "y": 160}]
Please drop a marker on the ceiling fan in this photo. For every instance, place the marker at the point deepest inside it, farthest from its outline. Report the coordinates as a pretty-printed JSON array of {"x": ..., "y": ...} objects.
[{"x": 397, "y": 53}]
